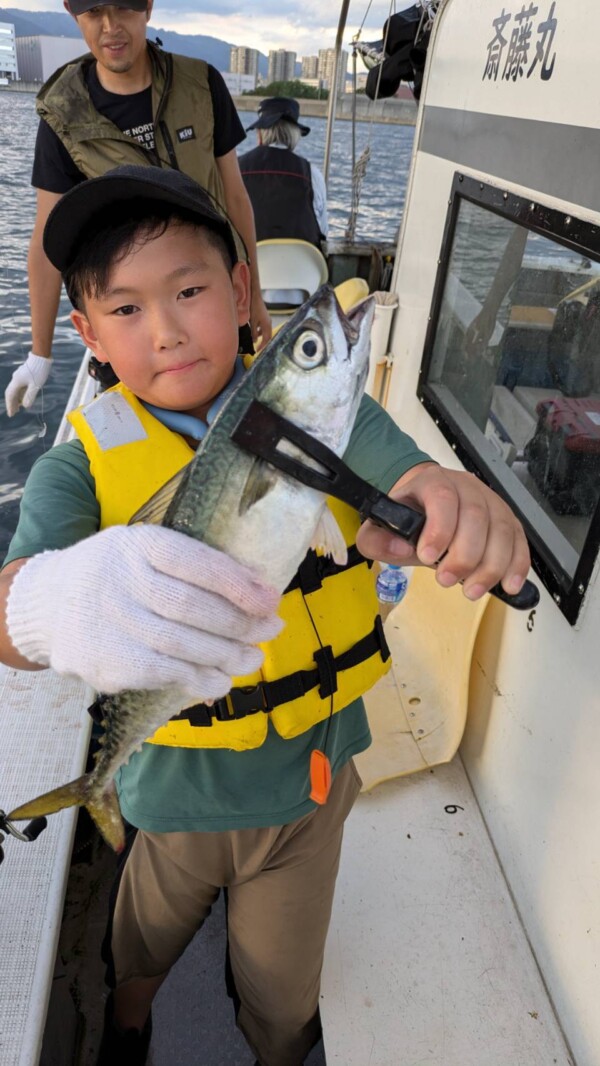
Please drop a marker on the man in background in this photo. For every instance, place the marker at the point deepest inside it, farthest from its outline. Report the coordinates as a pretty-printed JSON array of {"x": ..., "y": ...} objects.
[
  {"x": 288, "y": 193},
  {"x": 127, "y": 102}
]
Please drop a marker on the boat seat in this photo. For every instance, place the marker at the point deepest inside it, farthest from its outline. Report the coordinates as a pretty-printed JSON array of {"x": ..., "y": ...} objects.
[
  {"x": 299, "y": 264},
  {"x": 350, "y": 293},
  {"x": 284, "y": 299}
]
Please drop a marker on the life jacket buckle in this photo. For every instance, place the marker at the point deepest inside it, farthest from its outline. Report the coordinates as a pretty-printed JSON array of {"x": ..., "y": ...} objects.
[{"x": 239, "y": 703}]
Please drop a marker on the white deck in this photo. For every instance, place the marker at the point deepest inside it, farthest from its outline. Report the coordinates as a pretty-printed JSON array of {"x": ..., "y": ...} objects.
[{"x": 427, "y": 962}]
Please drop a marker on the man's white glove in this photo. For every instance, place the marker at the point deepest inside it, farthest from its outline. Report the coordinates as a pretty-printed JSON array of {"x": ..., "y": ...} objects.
[
  {"x": 26, "y": 382},
  {"x": 142, "y": 607}
]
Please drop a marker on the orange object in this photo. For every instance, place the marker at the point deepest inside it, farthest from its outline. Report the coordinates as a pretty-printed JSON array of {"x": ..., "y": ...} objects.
[{"x": 320, "y": 777}]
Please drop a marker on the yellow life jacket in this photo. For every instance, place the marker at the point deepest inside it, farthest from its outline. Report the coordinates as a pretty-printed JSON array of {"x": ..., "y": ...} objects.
[{"x": 332, "y": 648}]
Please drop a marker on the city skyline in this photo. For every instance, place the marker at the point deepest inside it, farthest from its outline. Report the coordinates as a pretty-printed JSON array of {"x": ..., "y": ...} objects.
[{"x": 306, "y": 27}]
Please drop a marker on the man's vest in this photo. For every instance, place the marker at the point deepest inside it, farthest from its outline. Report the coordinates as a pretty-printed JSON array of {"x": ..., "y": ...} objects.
[
  {"x": 332, "y": 648},
  {"x": 280, "y": 187},
  {"x": 181, "y": 109}
]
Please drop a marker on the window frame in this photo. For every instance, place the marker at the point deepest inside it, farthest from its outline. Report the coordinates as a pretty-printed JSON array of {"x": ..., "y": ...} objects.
[{"x": 578, "y": 236}]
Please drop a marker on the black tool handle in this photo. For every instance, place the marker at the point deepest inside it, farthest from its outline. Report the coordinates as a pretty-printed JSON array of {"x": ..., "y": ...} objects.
[
  {"x": 34, "y": 828},
  {"x": 31, "y": 831},
  {"x": 407, "y": 523},
  {"x": 404, "y": 521}
]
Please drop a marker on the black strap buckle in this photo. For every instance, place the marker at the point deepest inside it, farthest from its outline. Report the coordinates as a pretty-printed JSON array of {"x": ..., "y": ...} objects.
[{"x": 239, "y": 703}]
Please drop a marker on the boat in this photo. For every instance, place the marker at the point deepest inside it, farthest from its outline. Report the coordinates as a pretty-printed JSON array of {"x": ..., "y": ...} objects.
[{"x": 465, "y": 926}]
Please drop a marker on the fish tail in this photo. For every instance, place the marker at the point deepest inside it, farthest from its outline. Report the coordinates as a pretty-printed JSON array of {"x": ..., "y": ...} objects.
[{"x": 102, "y": 806}]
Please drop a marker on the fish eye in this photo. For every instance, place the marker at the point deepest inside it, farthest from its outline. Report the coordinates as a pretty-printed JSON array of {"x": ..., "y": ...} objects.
[{"x": 309, "y": 350}]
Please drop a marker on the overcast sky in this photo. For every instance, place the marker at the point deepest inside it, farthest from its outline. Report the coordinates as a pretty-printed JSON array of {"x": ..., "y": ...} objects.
[{"x": 301, "y": 26}]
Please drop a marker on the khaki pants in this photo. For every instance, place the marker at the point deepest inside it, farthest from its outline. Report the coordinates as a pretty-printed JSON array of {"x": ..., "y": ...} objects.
[{"x": 280, "y": 883}]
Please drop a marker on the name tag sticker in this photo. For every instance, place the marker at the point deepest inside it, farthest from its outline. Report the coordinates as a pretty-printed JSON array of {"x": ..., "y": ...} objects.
[
  {"x": 113, "y": 422},
  {"x": 186, "y": 133}
]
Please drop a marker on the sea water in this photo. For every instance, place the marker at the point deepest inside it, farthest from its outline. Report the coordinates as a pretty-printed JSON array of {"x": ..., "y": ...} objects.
[{"x": 23, "y": 437}]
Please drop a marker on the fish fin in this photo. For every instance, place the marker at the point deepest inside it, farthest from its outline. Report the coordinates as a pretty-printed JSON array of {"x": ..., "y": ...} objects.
[
  {"x": 105, "y": 811},
  {"x": 329, "y": 538},
  {"x": 155, "y": 509},
  {"x": 261, "y": 479},
  {"x": 103, "y": 808}
]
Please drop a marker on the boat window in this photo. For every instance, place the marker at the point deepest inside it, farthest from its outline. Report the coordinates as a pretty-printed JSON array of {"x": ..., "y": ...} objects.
[{"x": 511, "y": 370}]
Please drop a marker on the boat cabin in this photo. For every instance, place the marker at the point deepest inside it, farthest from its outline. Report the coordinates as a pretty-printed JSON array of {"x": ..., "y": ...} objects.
[{"x": 495, "y": 355}]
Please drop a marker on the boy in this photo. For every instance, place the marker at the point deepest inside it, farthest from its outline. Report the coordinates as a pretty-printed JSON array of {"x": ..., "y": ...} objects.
[{"x": 150, "y": 266}]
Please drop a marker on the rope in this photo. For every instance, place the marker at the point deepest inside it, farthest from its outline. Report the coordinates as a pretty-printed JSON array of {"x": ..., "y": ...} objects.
[
  {"x": 358, "y": 176},
  {"x": 360, "y": 28},
  {"x": 359, "y": 169}
]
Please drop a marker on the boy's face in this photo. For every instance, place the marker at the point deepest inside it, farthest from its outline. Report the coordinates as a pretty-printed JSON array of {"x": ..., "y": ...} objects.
[
  {"x": 168, "y": 322},
  {"x": 116, "y": 36}
]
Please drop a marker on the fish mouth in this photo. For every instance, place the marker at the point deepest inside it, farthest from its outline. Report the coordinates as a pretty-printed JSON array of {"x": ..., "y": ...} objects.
[
  {"x": 360, "y": 311},
  {"x": 353, "y": 319}
]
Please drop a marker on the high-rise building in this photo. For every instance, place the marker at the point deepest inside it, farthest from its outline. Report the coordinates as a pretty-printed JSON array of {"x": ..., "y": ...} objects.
[
  {"x": 243, "y": 61},
  {"x": 239, "y": 83},
  {"x": 326, "y": 67},
  {"x": 8, "y": 53},
  {"x": 39, "y": 55},
  {"x": 310, "y": 67},
  {"x": 282, "y": 65}
]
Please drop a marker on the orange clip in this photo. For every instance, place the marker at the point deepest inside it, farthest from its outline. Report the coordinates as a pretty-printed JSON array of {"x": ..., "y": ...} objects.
[{"x": 320, "y": 777}]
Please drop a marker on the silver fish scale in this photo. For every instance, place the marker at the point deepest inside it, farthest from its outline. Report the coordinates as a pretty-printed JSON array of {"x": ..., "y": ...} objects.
[
  {"x": 128, "y": 720},
  {"x": 207, "y": 478}
]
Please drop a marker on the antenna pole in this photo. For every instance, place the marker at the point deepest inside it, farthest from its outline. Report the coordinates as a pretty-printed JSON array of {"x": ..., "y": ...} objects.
[{"x": 333, "y": 89}]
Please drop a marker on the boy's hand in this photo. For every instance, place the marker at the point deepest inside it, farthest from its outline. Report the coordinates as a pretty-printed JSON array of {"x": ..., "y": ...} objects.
[
  {"x": 142, "y": 607},
  {"x": 469, "y": 529}
]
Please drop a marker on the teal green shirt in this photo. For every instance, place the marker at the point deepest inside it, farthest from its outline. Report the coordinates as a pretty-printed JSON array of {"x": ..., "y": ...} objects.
[{"x": 165, "y": 789}]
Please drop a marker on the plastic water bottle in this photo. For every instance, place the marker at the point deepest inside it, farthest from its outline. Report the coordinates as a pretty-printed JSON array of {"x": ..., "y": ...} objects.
[{"x": 391, "y": 586}]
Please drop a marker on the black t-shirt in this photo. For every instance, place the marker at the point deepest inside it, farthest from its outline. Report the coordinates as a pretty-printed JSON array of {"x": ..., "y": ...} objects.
[{"x": 55, "y": 171}]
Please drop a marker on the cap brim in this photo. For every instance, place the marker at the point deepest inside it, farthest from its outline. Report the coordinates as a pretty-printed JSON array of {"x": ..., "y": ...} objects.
[
  {"x": 79, "y": 7},
  {"x": 75, "y": 210}
]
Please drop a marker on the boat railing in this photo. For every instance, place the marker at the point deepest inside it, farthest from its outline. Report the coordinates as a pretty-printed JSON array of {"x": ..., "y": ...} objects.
[{"x": 45, "y": 739}]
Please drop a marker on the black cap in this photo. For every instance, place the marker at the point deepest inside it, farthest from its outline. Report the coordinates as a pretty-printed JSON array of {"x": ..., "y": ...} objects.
[
  {"x": 276, "y": 108},
  {"x": 78, "y": 7},
  {"x": 76, "y": 209}
]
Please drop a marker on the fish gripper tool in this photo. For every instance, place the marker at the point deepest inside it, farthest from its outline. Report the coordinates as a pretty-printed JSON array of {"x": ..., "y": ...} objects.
[
  {"x": 31, "y": 831},
  {"x": 261, "y": 431}
]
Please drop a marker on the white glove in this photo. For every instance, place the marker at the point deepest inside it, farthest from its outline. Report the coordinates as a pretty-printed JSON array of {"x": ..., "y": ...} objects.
[
  {"x": 142, "y": 607},
  {"x": 26, "y": 382}
]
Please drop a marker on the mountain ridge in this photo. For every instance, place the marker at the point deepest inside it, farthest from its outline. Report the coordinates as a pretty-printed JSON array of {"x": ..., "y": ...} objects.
[{"x": 60, "y": 24}]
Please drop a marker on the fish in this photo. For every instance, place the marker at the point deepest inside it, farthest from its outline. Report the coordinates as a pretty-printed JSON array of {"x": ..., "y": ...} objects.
[{"x": 312, "y": 373}]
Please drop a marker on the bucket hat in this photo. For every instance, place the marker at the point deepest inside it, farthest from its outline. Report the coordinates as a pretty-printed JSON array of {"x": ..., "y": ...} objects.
[{"x": 275, "y": 108}]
